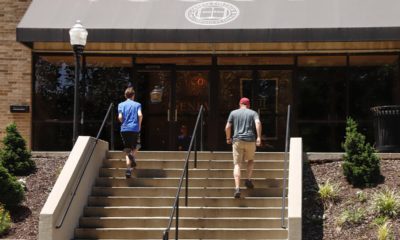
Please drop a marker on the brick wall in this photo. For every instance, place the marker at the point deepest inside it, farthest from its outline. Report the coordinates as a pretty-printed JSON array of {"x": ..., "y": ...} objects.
[{"x": 15, "y": 69}]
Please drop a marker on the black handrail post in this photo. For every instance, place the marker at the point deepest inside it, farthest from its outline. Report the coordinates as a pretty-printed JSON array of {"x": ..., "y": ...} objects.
[
  {"x": 201, "y": 130},
  {"x": 177, "y": 221},
  {"x": 187, "y": 185},
  {"x": 175, "y": 208},
  {"x": 195, "y": 149},
  {"x": 166, "y": 235},
  {"x": 285, "y": 168},
  {"x": 112, "y": 128}
]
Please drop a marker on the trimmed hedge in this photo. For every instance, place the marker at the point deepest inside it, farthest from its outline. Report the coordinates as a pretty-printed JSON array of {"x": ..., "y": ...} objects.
[
  {"x": 14, "y": 156},
  {"x": 11, "y": 191},
  {"x": 361, "y": 165}
]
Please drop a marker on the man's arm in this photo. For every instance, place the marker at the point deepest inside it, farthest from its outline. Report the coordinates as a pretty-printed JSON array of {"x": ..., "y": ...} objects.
[
  {"x": 228, "y": 132},
  {"x": 258, "y": 129},
  {"x": 140, "y": 115},
  {"x": 120, "y": 118}
]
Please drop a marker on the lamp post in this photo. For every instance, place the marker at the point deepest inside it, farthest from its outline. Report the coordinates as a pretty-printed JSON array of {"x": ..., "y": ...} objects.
[{"x": 77, "y": 35}]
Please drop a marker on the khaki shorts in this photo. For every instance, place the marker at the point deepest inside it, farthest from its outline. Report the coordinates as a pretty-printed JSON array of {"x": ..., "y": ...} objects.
[{"x": 243, "y": 151}]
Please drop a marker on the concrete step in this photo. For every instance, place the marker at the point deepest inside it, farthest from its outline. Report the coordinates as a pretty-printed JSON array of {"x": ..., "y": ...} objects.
[
  {"x": 222, "y": 233},
  {"x": 207, "y": 212},
  {"x": 146, "y": 222},
  {"x": 193, "y": 173},
  {"x": 193, "y": 192},
  {"x": 193, "y": 182},
  {"x": 206, "y": 164},
  {"x": 192, "y": 201},
  {"x": 200, "y": 155}
]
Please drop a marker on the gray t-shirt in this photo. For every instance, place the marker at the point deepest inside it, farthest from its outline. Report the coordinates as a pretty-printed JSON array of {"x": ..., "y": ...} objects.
[{"x": 244, "y": 126}]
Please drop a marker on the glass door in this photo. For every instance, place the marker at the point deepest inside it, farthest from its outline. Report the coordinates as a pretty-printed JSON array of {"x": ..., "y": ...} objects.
[
  {"x": 170, "y": 102},
  {"x": 192, "y": 90},
  {"x": 154, "y": 91},
  {"x": 269, "y": 92}
]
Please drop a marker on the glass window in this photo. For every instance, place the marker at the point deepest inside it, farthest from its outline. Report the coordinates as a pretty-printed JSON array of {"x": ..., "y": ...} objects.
[
  {"x": 373, "y": 82},
  {"x": 322, "y": 102},
  {"x": 53, "y": 95},
  {"x": 322, "y": 93},
  {"x": 322, "y": 137},
  {"x": 106, "y": 79}
]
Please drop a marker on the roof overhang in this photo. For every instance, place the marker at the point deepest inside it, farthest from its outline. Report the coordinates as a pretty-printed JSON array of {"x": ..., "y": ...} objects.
[{"x": 254, "y": 21}]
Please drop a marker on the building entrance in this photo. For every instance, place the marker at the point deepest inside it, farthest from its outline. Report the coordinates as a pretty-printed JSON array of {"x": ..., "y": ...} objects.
[
  {"x": 270, "y": 91},
  {"x": 170, "y": 101}
]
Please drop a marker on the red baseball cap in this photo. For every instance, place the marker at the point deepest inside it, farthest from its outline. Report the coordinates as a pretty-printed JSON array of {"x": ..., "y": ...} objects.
[{"x": 245, "y": 101}]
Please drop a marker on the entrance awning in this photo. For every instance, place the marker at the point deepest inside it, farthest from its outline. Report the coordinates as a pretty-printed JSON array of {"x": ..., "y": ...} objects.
[{"x": 227, "y": 21}]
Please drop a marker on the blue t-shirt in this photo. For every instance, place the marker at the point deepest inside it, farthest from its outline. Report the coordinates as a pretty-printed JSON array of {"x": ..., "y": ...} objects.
[{"x": 130, "y": 118}]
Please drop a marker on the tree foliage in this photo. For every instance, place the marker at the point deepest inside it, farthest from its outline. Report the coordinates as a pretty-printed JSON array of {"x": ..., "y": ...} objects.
[
  {"x": 14, "y": 156},
  {"x": 361, "y": 165},
  {"x": 11, "y": 191}
]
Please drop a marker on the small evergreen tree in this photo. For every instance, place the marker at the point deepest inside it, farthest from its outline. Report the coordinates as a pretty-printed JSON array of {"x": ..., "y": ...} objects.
[
  {"x": 11, "y": 191},
  {"x": 14, "y": 156},
  {"x": 361, "y": 165}
]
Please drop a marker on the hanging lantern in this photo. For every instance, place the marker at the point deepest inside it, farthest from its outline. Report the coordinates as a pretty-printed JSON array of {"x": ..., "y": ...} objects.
[{"x": 156, "y": 94}]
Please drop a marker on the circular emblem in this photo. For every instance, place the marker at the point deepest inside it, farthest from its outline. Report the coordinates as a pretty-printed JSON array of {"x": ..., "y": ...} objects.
[{"x": 212, "y": 13}]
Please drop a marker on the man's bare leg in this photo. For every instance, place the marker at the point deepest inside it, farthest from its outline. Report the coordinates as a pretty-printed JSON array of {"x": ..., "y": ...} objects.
[
  {"x": 236, "y": 176},
  {"x": 250, "y": 166}
]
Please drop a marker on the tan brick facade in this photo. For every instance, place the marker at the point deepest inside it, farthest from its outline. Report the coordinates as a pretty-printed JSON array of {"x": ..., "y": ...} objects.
[{"x": 15, "y": 69}]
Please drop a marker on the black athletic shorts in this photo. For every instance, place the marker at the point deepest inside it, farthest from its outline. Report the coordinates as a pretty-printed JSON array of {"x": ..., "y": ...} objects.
[{"x": 130, "y": 140}]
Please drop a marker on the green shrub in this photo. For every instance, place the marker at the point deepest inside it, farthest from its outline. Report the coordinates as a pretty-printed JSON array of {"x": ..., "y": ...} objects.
[
  {"x": 361, "y": 165},
  {"x": 351, "y": 217},
  {"x": 386, "y": 203},
  {"x": 14, "y": 156},
  {"x": 11, "y": 191},
  {"x": 5, "y": 220},
  {"x": 328, "y": 192}
]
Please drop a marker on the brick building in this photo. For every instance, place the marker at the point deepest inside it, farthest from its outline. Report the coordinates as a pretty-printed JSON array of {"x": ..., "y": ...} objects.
[
  {"x": 328, "y": 60},
  {"x": 15, "y": 69}
]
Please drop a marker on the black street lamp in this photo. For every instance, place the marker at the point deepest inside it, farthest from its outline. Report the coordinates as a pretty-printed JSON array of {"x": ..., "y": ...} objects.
[{"x": 77, "y": 35}]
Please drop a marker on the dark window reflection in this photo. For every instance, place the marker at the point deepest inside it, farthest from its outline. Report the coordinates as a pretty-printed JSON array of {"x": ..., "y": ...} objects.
[
  {"x": 322, "y": 107},
  {"x": 53, "y": 103},
  {"x": 106, "y": 79},
  {"x": 322, "y": 93},
  {"x": 54, "y": 83},
  {"x": 370, "y": 86},
  {"x": 327, "y": 95}
]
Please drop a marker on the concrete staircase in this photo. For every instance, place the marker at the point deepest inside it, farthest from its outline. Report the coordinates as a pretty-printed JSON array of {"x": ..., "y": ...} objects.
[{"x": 139, "y": 208}]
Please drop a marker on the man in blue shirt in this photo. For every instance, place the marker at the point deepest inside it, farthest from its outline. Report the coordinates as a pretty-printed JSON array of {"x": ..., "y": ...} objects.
[{"x": 130, "y": 115}]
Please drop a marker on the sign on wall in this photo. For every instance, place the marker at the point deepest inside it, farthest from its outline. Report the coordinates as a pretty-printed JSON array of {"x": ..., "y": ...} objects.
[{"x": 212, "y": 13}]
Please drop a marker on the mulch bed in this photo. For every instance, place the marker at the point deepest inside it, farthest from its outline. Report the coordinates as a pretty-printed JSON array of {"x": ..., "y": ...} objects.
[
  {"x": 39, "y": 184},
  {"x": 319, "y": 222}
]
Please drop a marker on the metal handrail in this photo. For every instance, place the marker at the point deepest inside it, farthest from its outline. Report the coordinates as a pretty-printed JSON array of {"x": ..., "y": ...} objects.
[
  {"x": 185, "y": 173},
  {"x": 285, "y": 168},
  {"x": 61, "y": 221}
]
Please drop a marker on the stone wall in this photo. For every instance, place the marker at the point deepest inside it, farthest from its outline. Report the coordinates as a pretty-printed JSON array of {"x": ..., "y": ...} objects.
[{"x": 15, "y": 69}]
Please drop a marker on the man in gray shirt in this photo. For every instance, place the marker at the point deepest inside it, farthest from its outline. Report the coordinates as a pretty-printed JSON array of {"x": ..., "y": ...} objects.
[{"x": 246, "y": 135}]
